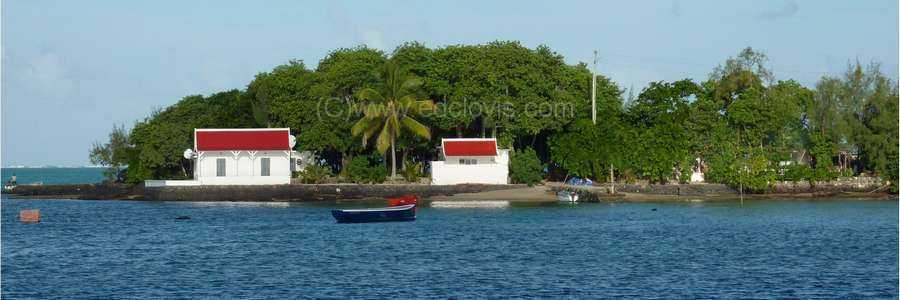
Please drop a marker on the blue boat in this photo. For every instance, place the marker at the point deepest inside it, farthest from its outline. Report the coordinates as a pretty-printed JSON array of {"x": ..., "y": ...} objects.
[{"x": 384, "y": 214}]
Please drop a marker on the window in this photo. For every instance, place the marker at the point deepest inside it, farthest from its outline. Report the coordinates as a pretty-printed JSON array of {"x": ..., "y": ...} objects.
[
  {"x": 264, "y": 168},
  {"x": 220, "y": 167},
  {"x": 468, "y": 161}
]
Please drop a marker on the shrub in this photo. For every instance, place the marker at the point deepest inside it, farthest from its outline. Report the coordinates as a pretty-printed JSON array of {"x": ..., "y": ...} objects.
[
  {"x": 749, "y": 169},
  {"x": 412, "y": 171},
  {"x": 686, "y": 171},
  {"x": 525, "y": 167},
  {"x": 822, "y": 175},
  {"x": 314, "y": 174},
  {"x": 362, "y": 169},
  {"x": 797, "y": 172}
]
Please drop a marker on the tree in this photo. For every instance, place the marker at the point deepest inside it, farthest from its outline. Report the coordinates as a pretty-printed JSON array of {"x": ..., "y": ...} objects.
[
  {"x": 747, "y": 168},
  {"x": 873, "y": 124},
  {"x": 661, "y": 117},
  {"x": 160, "y": 139},
  {"x": 740, "y": 123},
  {"x": 283, "y": 97},
  {"x": 365, "y": 169},
  {"x": 788, "y": 103},
  {"x": 388, "y": 110},
  {"x": 114, "y": 154},
  {"x": 338, "y": 78},
  {"x": 525, "y": 167},
  {"x": 824, "y": 114}
]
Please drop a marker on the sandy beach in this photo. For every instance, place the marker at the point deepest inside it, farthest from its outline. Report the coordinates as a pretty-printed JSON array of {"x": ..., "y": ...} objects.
[
  {"x": 544, "y": 193},
  {"x": 527, "y": 194}
]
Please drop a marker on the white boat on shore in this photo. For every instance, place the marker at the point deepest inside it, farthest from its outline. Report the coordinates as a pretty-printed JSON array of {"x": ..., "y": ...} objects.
[{"x": 567, "y": 196}]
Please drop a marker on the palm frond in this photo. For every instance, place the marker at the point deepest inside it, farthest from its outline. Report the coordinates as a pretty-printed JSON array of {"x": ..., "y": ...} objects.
[
  {"x": 375, "y": 110},
  {"x": 416, "y": 128},
  {"x": 370, "y": 131},
  {"x": 387, "y": 110},
  {"x": 359, "y": 126},
  {"x": 394, "y": 124},
  {"x": 424, "y": 106},
  {"x": 406, "y": 105},
  {"x": 384, "y": 140},
  {"x": 412, "y": 82},
  {"x": 370, "y": 95},
  {"x": 363, "y": 125}
]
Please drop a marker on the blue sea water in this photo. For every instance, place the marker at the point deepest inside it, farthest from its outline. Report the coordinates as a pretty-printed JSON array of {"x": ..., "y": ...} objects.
[
  {"x": 53, "y": 175},
  {"x": 767, "y": 249}
]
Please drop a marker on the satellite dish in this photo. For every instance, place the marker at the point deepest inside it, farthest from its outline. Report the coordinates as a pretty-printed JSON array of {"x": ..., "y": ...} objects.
[
  {"x": 188, "y": 153},
  {"x": 293, "y": 140}
]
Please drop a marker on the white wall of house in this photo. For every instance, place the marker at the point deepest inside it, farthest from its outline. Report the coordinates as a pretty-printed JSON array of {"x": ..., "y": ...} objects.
[
  {"x": 485, "y": 170},
  {"x": 243, "y": 167},
  {"x": 301, "y": 159},
  {"x": 697, "y": 176}
]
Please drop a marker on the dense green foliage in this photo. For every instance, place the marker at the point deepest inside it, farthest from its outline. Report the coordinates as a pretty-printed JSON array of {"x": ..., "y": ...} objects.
[
  {"x": 389, "y": 110},
  {"x": 660, "y": 117},
  {"x": 114, "y": 154},
  {"x": 314, "y": 174},
  {"x": 525, "y": 167},
  {"x": 796, "y": 173},
  {"x": 366, "y": 169},
  {"x": 742, "y": 126},
  {"x": 412, "y": 171}
]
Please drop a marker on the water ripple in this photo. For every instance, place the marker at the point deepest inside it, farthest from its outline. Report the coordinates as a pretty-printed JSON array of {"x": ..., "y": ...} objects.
[{"x": 121, "y": 249}]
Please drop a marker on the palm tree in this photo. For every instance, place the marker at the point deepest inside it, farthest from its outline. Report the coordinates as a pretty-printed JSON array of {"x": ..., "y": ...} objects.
[{"x": 388, "y": 111}]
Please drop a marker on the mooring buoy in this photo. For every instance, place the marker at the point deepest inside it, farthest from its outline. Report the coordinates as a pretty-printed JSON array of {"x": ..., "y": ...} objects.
[{"x": 30, "y": 216}]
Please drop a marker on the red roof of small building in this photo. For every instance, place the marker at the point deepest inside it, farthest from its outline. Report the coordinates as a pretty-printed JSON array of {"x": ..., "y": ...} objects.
[
  {"x": 470, "y": 147},
  {"x": 242, "y": 139}
]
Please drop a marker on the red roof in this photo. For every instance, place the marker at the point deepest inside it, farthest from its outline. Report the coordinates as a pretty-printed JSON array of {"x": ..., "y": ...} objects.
[
  {"x": 238, "y": 139},
  {"x": 470, "y": 147}
]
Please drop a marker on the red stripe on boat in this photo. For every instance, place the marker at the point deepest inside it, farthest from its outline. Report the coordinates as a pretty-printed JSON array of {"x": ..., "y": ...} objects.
[
  {"x": 224, "y": 140},
  {"x": 470, "y": 148},
  {"x": 403, "y": 200}
]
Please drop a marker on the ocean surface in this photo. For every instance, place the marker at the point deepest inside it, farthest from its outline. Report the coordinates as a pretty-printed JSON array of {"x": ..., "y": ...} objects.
[
  {"x": 763, "y": 249},
  {"x": 53, "y": 175}
]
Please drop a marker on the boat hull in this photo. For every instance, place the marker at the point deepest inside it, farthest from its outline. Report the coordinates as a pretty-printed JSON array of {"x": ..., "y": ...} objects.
[
  {"x": 566, "y": 196},
  {"x": 403, "y": 213}
]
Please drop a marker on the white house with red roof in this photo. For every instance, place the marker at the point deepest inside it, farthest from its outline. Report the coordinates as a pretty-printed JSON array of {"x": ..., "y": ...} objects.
[
  {"x": 471, "y": 160},
  {"x": 248, "y": 156}
]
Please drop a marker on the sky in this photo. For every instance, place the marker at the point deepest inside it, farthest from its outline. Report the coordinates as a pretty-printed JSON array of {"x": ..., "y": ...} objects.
[{"x": 72, "y": 69}]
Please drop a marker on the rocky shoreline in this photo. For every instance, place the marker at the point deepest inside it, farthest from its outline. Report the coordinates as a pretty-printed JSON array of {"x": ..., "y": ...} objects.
[
  {"x": 708, "y": 191},
  {"x": 463, "y": 192},
  {"x": 288, "y": 193}
]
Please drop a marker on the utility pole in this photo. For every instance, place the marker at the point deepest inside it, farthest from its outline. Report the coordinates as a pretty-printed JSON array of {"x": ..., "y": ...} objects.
[
  {"x": 612, "y": 183},
  {"x": 594, "y": 90}
]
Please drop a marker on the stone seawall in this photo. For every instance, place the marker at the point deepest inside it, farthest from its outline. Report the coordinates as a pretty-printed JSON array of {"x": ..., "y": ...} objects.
[
  {"x": 711, "y": 190},
  {"x": 603, "y": 192},
  {"x": 291, "y": 192},
  {"x": 311, "y": 192},
  {"x": 341, "y": 192},
  {"x": 677, "y": 189},
  {"x": 79, "y": 191}
]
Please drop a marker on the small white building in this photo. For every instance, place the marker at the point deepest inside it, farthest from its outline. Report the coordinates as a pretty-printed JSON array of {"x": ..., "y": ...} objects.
[
  {"x": 239, "y": 157},
  {"x": 697, "y": 172},
  {"x": 471, "y": 160}
]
